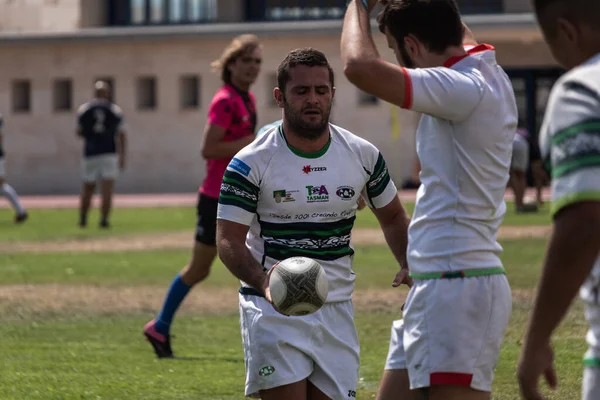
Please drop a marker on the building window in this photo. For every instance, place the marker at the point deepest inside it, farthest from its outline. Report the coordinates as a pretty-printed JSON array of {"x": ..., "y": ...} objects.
[
  {"x": 157, "y": 11},
  {"x": 21, "y": 96},
  {"x": 146, "y": 93},
  {"x": 111, "y": 84},
  {"x": 63, "y": 95},
  {"x": 138, "y": 11},
  {"x": 152, "y": 12},
  {"x": 366, "y": 99},
  {"x": 176, "y": 11},
  {"x": 189, "y": 92}
]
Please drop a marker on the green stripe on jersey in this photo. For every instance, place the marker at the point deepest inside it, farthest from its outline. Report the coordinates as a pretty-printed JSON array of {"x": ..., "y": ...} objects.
[
  {"x": 282, "y": 252},
  {"x": 592, "y": 125},
  {"x": 575, "y": 163},
  {"x": 318, "y": 240},
  {"x": 308, "y": 229},
  {"x": 238, "y": 191},
  {"x": 572, "y": 198},
  {"x": 591, "y": 362},
  {"x": 379, "y": 180},
  {"x": 465, "y": 273},
  {"x": 236, "y": 179}
]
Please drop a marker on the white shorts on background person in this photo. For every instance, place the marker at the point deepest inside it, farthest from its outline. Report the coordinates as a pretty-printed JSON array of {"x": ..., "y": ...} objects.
[
  {"x": 100, "y": 167},
  {"x": 453, "y": 333},
  {"x": 520, "y": 154},
  {"x": 278, "y": 350}
]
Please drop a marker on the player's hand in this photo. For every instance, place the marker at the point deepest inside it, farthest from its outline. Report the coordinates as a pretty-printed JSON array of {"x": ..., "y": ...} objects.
[
  {"x": 267, "y": 290},
  {"x": 402, "y": 277},
  {"x": 533, "y": 364}
]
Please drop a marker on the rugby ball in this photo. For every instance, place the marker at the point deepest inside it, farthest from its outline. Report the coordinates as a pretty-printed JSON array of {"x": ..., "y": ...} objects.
[{"x": 299, "y": 286}]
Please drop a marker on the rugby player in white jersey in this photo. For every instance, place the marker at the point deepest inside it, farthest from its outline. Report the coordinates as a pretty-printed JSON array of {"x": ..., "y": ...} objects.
[
  {"x": 570, "y": 142},
  {"x": 293, "y": 192},
  {"x": 457, "y": 311}
]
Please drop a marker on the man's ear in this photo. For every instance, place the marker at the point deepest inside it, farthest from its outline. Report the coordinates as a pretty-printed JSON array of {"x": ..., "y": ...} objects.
[{"x": 278, "y": 96}]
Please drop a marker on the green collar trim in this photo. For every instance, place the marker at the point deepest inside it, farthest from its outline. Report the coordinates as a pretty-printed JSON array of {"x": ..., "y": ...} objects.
[{"x": 305, "y": 154}]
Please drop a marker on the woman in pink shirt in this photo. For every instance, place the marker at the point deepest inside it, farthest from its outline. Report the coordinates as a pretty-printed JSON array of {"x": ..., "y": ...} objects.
[{"x": 230, "y": 127}]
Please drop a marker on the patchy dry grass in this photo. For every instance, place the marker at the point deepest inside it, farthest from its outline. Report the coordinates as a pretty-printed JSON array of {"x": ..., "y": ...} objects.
[
  {"x": 23, "y": 301},
  {"x": 184, "y": 240}
]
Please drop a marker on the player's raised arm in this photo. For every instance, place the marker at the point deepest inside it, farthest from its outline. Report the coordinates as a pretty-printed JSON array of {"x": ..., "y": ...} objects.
[{"x": 362, "y": 64}]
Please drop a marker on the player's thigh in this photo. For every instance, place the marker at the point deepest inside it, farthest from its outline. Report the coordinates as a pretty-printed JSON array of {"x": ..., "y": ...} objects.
[
  {"x": 454, "y": 329},
  {"x": 293, "y": 391},
  {"x": 456, "y": 393},
  {"x": 395, "y": 385},
  {"x": 276, "y": 347},
  {"x": 335, "y": 351}
]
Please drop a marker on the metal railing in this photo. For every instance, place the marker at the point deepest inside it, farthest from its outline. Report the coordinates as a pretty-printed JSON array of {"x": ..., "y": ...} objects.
[{"x": 282, "y": 10}]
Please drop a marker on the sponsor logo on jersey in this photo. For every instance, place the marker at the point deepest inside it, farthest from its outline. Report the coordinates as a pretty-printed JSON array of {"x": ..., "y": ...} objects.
[
  {"x": 317, "y": 194},
  {"x": 284, "y": 196},
  {"x": 266, "y": 370},
  {"x": 239, "y": 166},
  {"x": 345, "y": 192},
  {"x": 307, "y": 169}
]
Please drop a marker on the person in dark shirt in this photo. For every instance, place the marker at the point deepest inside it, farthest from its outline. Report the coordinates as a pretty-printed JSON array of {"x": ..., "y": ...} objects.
[
  {"x": 5, "y": 189},
  {"x": 100, "y": 125}
]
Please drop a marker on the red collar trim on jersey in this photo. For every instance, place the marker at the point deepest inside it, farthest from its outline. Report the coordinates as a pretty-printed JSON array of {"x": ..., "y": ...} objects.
[{"x": 472, "y": 50}]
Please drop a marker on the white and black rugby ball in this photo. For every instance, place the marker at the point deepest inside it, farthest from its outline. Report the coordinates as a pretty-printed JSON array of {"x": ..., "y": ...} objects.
[{"x": 299, "y": 286}]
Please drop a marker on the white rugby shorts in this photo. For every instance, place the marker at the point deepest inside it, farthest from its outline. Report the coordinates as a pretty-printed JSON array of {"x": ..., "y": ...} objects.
[
  {"x": 591, "y": 372},
  {"x": 520, "y": 154},
  {"x": 279, "y": 350},
  {"x": 452, "y": 331},
  {"x": 100, "y": 167}
]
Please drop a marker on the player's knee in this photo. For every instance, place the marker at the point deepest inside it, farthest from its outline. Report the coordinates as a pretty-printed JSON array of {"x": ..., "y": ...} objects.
[
  {"x": 196, "y": 271},
  {"x": 450, "y": 392}
]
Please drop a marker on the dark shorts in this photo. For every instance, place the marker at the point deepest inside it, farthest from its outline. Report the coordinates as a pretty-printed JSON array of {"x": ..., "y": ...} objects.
[{"x": 206, "y": 225}]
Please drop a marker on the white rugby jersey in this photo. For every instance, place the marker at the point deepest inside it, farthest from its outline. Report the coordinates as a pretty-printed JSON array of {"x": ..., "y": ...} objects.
[
  {"x": 464, "y": 143},
  {"x": 304, "y": 204},
  {"x": 570, "y": 142}
]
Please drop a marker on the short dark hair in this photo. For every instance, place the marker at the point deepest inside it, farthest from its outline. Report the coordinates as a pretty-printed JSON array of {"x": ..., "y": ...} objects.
[
  {"x": 582, "y": 11},
  {"x": 306, "y": 56},
  {"x": 436, "y": 23}
]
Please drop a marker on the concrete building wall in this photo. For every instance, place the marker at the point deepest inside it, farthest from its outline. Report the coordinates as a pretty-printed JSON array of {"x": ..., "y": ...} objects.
[
  {"x": 517, "y": 6},
  {"x": 40, "y": 15},
  {"x": 43, "y": 153}
]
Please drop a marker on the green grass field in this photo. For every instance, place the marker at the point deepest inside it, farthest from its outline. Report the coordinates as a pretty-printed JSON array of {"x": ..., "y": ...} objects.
[{"x": 71, "y": 322}]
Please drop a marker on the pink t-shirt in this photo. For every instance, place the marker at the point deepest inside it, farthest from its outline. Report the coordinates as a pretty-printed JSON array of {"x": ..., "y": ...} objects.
[{"x": 234, "y": 111}]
